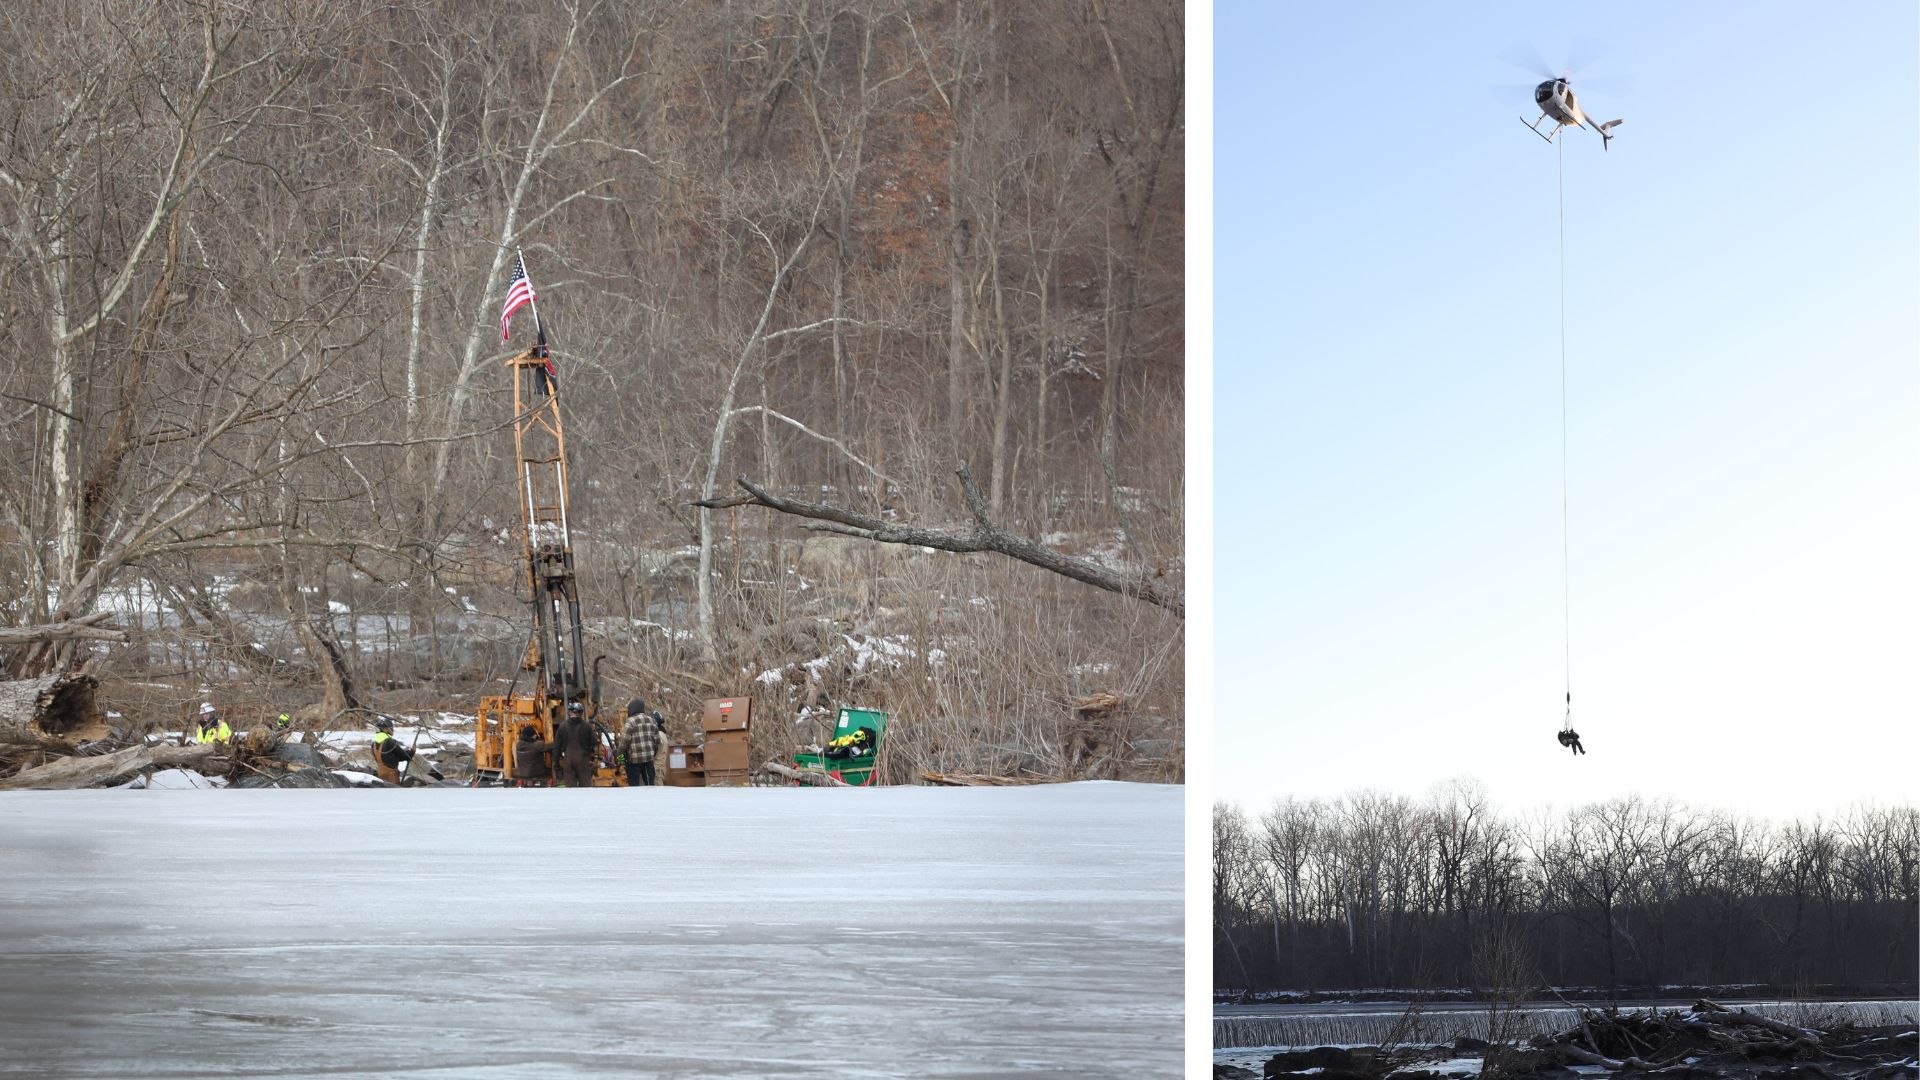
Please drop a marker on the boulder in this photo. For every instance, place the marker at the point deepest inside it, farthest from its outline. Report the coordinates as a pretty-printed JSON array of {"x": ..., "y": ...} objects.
[
  {"x": 297, "y": 753},
  {"x": 1323, "y": 1063},
  {"x": 297, "y": 778}
]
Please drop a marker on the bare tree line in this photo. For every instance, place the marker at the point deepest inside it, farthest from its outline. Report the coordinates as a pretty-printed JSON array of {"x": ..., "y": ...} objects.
[
  {"x": 256, "y": 253},
  {"x": 1374, "y": 890}
]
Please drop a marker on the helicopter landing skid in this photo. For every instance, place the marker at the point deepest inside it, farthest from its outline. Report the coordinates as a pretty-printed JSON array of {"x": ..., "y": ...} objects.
[{"x": 1535, "y": 127}]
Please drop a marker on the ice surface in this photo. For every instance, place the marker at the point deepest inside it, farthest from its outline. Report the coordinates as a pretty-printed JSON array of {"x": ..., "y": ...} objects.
[{"x": 930, "y": 932}]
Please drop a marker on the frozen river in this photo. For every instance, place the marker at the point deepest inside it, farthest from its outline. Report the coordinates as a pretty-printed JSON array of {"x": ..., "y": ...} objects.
[{"x": 666, "y": 932}]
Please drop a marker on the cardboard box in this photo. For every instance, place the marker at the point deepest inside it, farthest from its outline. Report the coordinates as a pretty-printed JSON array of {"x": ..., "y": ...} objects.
[
  {"x": 728, "y": 756},
  {"x": 727, "y": 714}
]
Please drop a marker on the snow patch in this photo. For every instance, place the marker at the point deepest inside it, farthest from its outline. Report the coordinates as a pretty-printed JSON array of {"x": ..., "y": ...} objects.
[
  {"x": 1460, "y": 1066},
  {"x": 180, "y": 780}
]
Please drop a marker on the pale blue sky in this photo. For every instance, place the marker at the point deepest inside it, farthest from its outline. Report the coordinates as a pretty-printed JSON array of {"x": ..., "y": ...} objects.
[{"x": 1743, "y": 343}]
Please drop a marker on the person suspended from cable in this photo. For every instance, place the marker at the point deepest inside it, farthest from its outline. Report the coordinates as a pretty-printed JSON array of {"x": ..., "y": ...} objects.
[{"x": 1570, "y": 738}]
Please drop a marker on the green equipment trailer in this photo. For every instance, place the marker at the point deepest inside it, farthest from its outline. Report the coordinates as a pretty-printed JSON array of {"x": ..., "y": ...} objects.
[{"x": 856, "y": 771}]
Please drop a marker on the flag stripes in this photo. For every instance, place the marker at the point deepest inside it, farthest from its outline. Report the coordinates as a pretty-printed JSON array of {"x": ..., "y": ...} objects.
[{"x": 519, "y": 292}]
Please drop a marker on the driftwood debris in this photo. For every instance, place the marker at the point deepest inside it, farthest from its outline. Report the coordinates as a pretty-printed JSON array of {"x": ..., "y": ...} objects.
[
  {"x": 79, "y": 772},
  {"x": 805, "y": 776},
  {"x": 201, "y": 757},
  {"x": 939, "y": 779},
  {"x": 1711, "y": 1039},
  {"x": 1725, "y": 1015},
  {"x": 1706, "y": 1042}
]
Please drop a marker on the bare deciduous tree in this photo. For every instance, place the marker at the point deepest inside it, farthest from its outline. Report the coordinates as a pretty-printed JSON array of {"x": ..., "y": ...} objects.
[
  {"x": 1628, "y": 892},
  {"x": 258, "y": 252}
]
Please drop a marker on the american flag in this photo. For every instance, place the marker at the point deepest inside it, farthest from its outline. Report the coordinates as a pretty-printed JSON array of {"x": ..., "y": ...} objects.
[{"x": 519, "y": 291}]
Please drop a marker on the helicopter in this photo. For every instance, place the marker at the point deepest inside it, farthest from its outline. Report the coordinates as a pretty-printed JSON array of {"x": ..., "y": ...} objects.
[{"x": 1556, "y": 100}]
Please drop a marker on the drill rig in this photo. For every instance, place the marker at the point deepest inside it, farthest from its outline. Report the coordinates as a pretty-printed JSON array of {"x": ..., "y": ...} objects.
[{"x": 554, "y": 655}]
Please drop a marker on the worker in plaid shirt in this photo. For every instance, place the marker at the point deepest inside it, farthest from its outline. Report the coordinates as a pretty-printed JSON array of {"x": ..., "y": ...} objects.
[{"x": 640, "y": 742}]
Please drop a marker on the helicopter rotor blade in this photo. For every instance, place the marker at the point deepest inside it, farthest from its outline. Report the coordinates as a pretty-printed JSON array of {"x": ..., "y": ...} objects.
[
  {"x": 1519, "y": 95},
  {"x": 1527, "y": 58},
  {"x": 1583, "y": 53},
  {"x": 1613, "y": 86}
]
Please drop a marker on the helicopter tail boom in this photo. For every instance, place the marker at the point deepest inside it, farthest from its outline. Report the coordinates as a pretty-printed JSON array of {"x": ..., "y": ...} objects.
[{"x": 1606, "y": 140}]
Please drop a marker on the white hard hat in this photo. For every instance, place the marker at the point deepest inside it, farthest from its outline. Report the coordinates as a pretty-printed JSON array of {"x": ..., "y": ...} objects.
[{"x": 206, "y": 707}]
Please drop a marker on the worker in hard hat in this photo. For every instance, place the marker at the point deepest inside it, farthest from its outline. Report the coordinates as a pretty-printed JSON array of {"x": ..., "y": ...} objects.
[
  {"x": 387, "y": 751},
  {"x": 211, "y": 728},
  {"x": 574, "y": 742}
]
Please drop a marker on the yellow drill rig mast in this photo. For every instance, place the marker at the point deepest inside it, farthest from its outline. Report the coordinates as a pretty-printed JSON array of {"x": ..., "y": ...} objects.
[{"x": 554, "y": 655}]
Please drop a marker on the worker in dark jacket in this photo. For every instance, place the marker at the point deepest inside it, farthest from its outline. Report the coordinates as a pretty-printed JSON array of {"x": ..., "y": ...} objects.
[
  {"x": 530, "y": 759},
  {"x": 640, "y": 743},
  {"x": 387, "y": 751},
  {"x": 574, "y": 741},
  {"x": 1571, "y": 739}
]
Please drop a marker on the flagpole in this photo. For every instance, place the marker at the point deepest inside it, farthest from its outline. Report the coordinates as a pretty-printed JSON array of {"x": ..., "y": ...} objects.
[{"x": 539, "y": 328}]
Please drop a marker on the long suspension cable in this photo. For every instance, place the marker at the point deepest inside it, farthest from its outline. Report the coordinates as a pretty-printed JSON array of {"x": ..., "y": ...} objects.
[{"x": 1566, "y": 565}]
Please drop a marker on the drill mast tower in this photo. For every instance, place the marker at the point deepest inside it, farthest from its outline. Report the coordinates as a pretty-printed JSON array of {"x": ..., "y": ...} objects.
[{"x": 555, "y": 656}]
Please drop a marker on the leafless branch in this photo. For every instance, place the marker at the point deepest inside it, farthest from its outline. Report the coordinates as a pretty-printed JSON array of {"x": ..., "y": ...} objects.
[
  {"x": 983, "y": 536},
  {"x": 828, "y": 439}
]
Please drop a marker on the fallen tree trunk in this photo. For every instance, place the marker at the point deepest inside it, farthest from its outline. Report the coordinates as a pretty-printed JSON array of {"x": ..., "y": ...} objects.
[
  {"x": 202, "y": 757},
  {"x": 59, "y": 704},
  {"x": 1588, "y": 1057},
  {"x": 80, "y": 772},
  {"x": 805, "y": 776},
  {"x": 1723, "y": 1014}
]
